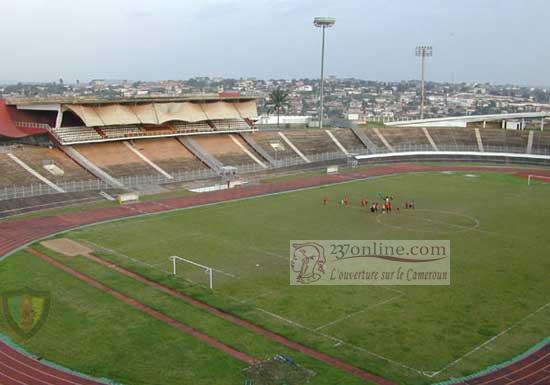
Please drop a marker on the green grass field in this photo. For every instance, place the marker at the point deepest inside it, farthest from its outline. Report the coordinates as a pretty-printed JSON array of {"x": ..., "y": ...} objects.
[{"x": 411, "y": 334}]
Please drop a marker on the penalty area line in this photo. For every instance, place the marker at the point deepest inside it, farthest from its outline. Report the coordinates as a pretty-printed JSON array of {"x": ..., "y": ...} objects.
[
  {"x": 348, "y": 316},
  {"x": 338, "y": 341},
  {"x": 493, "y": 338}
]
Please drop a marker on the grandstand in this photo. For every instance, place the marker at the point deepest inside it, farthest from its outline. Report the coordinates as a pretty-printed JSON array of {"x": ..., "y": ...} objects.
[
  {"x": 311, "y": 141},
  {"x": 51, "y": 163},
  {"x": 115, "y": 159},
  {"x": 124, "y": 144},
  {"x": 225, "y": 149},
  {"x": 541, "y": 140},
  {"x": 404, "y": 137},
  {"x": 169, "y": 154},
  {"x": 347, "y": 139},
  {"x": 273, "y": 144},
  {"x": 12, "y": 174},
  {"x": 373, "y": 137}
]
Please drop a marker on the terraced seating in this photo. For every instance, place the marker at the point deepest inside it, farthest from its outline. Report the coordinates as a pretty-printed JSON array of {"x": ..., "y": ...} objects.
[
  {"x": 443, "y": 137},
  {"x": 69, "y": 135},
  {"x": 11, "y": 174},
  {"x": 494, "y": 138},
  {"x": 230, "y": 125},
  {"x": 516, "y": 139},
  {"x": 274, "y": 145},
  {"x": 37, "y": 157},
  {"x": 311, "y": 142},
  {"x": 224, "y": 149},
  {"x": 463, "y": 136},
  {"x": 169, "y": 154},
  {"x": 188, "y": 128},
  {"x": 116, "y": 159},
  {"x": 406, "y": 136},
  {"x": 113, "y": 132},
  {"x": 348, "y": 139},
  {"x": 373, "y": 137},
  {"x": 541, "y": 141}
]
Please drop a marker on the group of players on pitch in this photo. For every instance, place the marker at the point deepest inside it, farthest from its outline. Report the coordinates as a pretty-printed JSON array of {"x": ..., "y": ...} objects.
[{"x": 375, "y": 207}]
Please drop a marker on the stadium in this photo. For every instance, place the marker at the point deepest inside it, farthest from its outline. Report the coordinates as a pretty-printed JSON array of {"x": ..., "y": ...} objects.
[{"x": 146, "y": 241}]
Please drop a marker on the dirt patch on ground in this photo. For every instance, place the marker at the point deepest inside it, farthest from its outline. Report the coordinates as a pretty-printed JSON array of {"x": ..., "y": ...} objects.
[{"x": 67, "y": 247}]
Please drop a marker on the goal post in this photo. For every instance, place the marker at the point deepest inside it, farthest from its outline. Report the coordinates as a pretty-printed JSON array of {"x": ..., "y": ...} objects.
[
  {"x": 533, "y": 177},
  {"x": 207, "y": 269}
]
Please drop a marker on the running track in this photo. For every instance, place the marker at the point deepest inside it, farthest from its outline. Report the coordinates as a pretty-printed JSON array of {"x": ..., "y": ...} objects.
[
  {"x": 19, "y": 369},
  {"x": 532, "y": 370}
]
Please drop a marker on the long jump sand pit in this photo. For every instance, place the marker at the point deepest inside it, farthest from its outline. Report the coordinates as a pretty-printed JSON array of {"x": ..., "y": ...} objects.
[{"x": 67, "y": 247}]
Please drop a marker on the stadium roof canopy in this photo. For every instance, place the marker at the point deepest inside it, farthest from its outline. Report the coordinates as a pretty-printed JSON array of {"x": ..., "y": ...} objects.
[
  {"x": 22, "y": 117},
  {"x": 133, "y": 100},
  {"x": 462, "y": 121}
]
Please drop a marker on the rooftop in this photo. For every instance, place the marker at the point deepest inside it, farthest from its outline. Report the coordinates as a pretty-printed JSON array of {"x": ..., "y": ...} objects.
[{"x": 94, "y": 100}]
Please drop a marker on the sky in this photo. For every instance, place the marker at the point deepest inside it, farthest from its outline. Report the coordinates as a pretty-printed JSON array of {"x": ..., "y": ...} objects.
[{"x": 497, "y": 41}]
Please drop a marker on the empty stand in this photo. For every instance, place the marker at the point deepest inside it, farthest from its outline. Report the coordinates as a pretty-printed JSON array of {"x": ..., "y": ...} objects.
[
  {"x": 541, "y": 141},
  {"x": 169, "y": 154},
  {"x": 191, "y": 128},
  {"x": 464, "y": 137},
  {"x": 115, "y": 158},
  {"x": 511, "y": 139},
  {"x": 41, "y": 159},
  {"x": 494, "y": 138},
  {"x": 405, "y": 136},
  {"x": 14, "y": 175},
  {"x": 90, "y": 167},
  {"x": 76, "y": 134},
  {"x": 348, "y": 139},
  {"x": 224, "y": 149},
  {"x": 367, "y": 141},
  {"x": 231, "y": 125},
  {"x": 517, "y": 140},
  {"x": 114, "y": 132},
  {"x": 443, "y": 137},
  {"x": 311, "y": 142},
  {"x": 370, "y": 136},
  {"x": 197, "y": 150},
  {"x": 272, "y": 143},
  {"x": 249, "y": 139}
]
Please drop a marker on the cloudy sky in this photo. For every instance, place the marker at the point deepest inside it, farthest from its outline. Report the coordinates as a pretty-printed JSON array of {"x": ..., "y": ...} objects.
[{"x": 499, "y": 41}]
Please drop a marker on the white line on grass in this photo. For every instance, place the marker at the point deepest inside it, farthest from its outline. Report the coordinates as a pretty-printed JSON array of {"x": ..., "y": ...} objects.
[
  {"x": 152, "y": 266},
  {"x": 357, "y": 312},
  {"x": 338, "y": 341},
  {"x": 493, "y": 338}
]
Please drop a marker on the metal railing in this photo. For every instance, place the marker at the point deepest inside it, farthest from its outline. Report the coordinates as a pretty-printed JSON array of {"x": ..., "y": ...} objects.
[
  {"x": 139, "y": 181},
  {"x": 32, "y": 125},
  {"x": 73, "y": 139}
]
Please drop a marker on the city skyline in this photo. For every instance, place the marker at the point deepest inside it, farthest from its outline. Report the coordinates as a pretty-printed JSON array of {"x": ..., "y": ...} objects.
[{"x": 474, "y": 41}]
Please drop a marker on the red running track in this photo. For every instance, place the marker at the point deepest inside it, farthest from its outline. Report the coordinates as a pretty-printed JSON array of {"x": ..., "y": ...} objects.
[
  {"x": 16, "y": 234},
  {"x": 19, "y": 369},
  {"x": 531, "y": 370}
]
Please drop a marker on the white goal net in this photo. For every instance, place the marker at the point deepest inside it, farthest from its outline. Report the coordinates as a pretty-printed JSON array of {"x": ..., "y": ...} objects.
[{"x": 192, "y": 271}]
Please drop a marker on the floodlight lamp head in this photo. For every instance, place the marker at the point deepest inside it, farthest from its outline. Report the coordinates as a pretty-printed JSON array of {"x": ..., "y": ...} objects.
[
  {"x": 424, "y": 50},
  {"x": 324, "y": 22}
]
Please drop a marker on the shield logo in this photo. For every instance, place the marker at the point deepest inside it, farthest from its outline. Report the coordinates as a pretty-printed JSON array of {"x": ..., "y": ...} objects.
[{"x": 26, "y": 310}]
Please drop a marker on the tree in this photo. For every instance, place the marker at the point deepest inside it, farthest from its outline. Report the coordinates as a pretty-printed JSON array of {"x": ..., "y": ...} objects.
[{"x": 278, "y": 101}]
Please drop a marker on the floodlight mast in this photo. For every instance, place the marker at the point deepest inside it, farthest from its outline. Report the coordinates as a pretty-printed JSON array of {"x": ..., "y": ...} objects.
[
  {"x": 323, "y": 23},
  {"x": 423, "y": 51}
]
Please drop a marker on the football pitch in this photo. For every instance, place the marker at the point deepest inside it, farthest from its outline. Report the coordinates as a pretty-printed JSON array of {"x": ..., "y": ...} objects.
[{"x": 497, "y": 305}]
